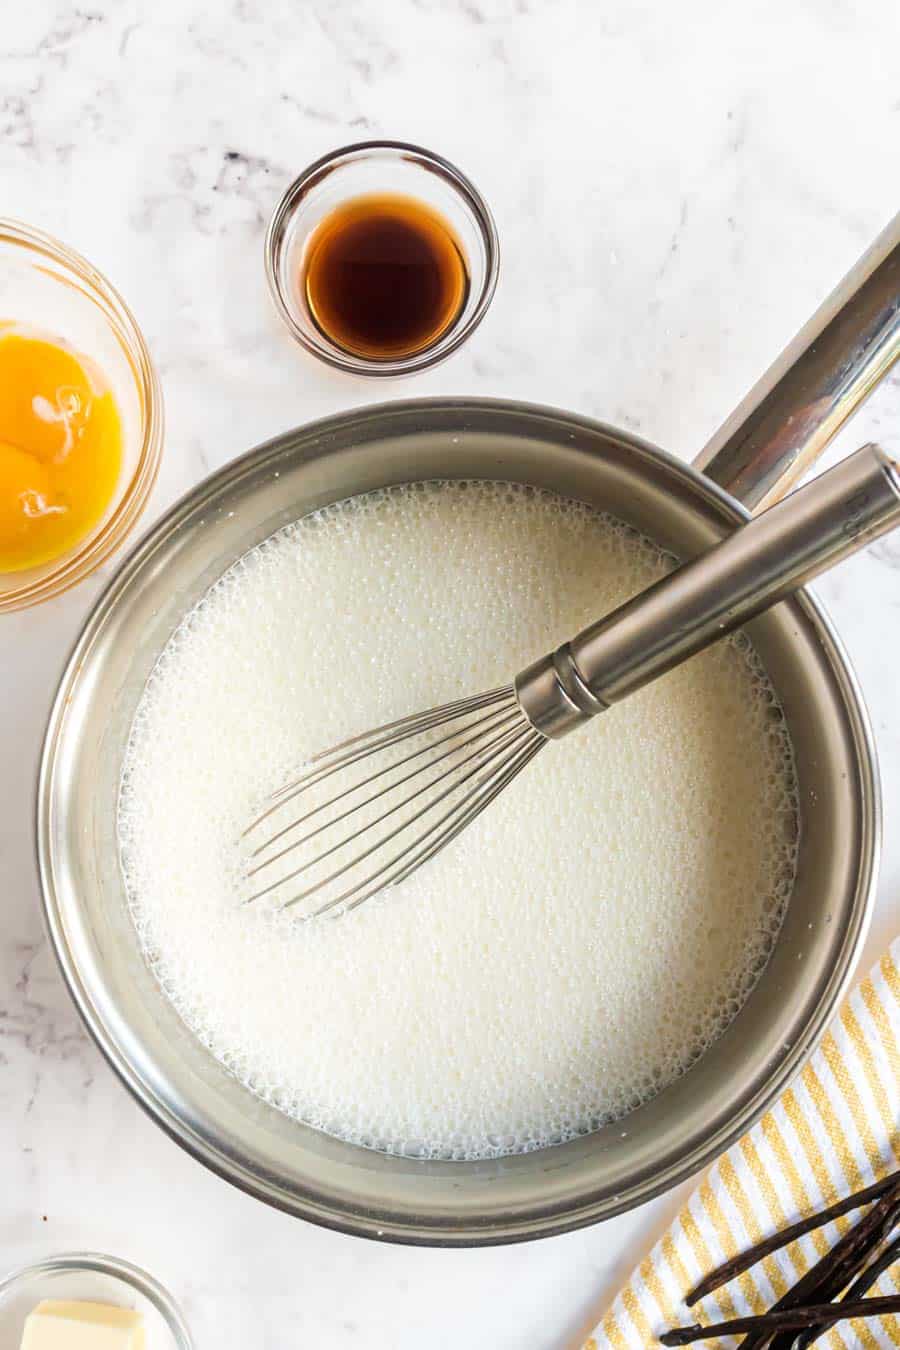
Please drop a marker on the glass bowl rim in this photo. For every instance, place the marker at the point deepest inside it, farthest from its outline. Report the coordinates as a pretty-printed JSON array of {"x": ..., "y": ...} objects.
[
  {"x": 86, "y": 557},
  {"x": 456, "y": 336},
  {"x": 101, "y": 1264}
]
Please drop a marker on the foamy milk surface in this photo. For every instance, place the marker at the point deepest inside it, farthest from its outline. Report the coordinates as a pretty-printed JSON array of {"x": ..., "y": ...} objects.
[{"x": 575, "y": 949}]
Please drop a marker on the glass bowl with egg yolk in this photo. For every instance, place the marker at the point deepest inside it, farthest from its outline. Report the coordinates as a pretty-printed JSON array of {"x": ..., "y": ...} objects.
[{"x": 80, "y": 418}]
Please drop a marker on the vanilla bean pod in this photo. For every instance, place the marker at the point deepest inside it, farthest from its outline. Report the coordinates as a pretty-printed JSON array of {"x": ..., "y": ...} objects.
[
  {"x": 820, "y": 1315},
  {"x": 830, "y": 1276},
  {"x": 863, "y": 1282},
  {"x": 738, "y": 1264}
]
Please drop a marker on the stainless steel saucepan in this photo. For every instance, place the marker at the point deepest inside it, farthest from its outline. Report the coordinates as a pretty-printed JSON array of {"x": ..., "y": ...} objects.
[{"x": 770, "y": 440}]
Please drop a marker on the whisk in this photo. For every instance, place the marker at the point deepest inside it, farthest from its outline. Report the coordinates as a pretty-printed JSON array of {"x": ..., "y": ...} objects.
[{"x": 365, "y": 814}]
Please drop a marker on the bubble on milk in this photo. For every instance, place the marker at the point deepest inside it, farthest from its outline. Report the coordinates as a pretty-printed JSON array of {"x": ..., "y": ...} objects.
[{"x": 576, "y": 949}]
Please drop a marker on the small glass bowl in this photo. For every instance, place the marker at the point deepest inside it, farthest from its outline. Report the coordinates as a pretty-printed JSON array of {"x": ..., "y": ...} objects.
[
  {"x": 380, "y": 167},
  {"x": 94, "y": 1278},
  {"x": 45, "y": 285}
]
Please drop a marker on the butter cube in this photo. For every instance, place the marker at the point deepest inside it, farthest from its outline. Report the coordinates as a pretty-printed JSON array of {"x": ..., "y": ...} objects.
[{"x": 58, "y": 1324}]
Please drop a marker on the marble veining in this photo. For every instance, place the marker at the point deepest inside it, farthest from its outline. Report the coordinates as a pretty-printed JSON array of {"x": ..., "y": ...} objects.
[{"x": 676, "y": 188}]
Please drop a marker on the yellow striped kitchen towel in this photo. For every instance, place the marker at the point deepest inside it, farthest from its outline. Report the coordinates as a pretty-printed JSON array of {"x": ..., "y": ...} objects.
[{"x": 835, "y": 1130}]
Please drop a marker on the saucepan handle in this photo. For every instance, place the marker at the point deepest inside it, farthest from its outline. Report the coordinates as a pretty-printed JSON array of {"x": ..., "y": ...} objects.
[{"x": 818, "y": 381}]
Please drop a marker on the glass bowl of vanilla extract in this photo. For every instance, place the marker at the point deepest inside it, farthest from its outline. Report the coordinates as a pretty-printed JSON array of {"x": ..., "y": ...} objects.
[{"x": 382, "y": 258}]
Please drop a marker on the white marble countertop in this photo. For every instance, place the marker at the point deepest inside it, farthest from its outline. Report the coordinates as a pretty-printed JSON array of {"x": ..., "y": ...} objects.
[{"x": 676, "y": 187}]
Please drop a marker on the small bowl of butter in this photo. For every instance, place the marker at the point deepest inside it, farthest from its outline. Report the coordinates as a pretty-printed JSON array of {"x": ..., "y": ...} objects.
[{"x": 84, "y": 1300}]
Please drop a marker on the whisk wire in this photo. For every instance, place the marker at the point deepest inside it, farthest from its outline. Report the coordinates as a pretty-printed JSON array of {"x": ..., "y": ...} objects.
[
  {"x": 459, "y": 817},
  {"x": 350, "y": 751},
  {"x": 481, "y": 753},
  {"x": 507, "y": 739},
  {"x": 470, "y": 750},
  {"x": 491, "y": 719},
  {"x": 477, "y": 805}
]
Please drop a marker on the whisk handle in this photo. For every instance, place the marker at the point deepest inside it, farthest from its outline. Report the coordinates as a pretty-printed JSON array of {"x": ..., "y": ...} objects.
[{"x": 761, "y": 562}]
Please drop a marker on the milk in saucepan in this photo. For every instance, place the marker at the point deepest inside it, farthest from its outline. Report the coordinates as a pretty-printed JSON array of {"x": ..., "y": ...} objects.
[{"x": 572, "y": 952}]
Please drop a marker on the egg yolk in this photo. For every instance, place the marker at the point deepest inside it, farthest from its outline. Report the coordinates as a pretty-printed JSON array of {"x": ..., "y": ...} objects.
[{"x": 60, "y": 449}]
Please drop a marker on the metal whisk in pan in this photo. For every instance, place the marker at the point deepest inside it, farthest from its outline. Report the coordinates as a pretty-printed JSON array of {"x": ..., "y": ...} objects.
[{"x": 367, "y": 813}]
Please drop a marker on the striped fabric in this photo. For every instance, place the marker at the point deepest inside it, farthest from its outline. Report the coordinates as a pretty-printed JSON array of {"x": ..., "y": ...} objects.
[{"x": 834, "y": 1130}]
